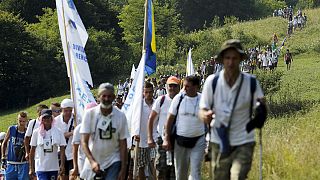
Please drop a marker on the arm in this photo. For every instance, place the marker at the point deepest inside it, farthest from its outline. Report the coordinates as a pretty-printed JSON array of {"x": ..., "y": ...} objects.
[
  {"x": 5, "y": 144},
  {"x": 63, "y": 159},
  {"x": 31, "y": 162},
  {"x": 75, "y": 148},
  {"x": 166, "y": 143},
  {"x": 27, "y": 146},
  {"x": 206, "y": 115},
  {"x": 151, "y": 121},
  {"x": 123, "y": 158},
  {"x": 68, "y": 134},
  {"x": 85, "y": 145}
]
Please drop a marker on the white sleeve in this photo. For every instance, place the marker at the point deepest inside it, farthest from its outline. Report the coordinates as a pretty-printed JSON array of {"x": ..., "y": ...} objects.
[
  {"x": 62, "y": 140},
  {"x": 76, "y": 135},
  {"x": 34, "y": 138},
  {"x": 206, "y": 100},
  {"x": 156, "y": 105},
  {"x": 29, "y": 128},
  {"x": 86, "y": 123},
  {"x": 174, "y": 104},
  {"x": 123, "y": 131}
]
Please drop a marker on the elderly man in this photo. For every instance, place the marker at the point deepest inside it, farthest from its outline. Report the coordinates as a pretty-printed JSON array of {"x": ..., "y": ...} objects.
[
  {"x": 104, "y": 131},
  {"x": 229, "y": 96}
]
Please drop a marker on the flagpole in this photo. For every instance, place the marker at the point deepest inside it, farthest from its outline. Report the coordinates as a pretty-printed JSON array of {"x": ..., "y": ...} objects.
[
  {"x": 145, "y": 29},
  {"x": 70, "y": 66}
]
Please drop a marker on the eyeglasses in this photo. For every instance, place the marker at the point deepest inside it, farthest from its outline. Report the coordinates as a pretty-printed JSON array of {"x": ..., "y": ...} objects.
[{"x": 56, "y": 111}]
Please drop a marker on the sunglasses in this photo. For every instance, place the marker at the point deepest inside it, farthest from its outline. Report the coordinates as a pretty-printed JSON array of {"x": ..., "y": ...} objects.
[{"x": 56, "y": 111}]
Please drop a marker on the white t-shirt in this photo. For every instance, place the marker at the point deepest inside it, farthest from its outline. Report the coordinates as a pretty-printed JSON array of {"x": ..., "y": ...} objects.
[
  {"x": 64, "y": 127},
  {"x": 188, "y": 124},
  {"x": 105, "y": 151},
  {"x": 223, "y": 99},
  {"x": 264, "y": 60},
  {"x": 77, "y": 140},
  {"x": 146, "y": 110},
  {"x": 47, "y": 161},
  {"x": 30, "y": 127},
  {"x": 162, "y": 113}
]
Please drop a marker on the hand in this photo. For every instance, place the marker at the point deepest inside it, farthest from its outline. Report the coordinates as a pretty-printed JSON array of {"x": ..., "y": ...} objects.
[
  {"x": 32, "y": 175},
  {"x": 137, "y": 138},
  {"x": 166, "y": 145},
  {"x": 122, "y": 174},
  {"x": 206, "y": 116},
  {"x": 62, "y": 170},
  {"x": 74, "y": 174},
  {"x": 27, "y": 156},
  {"x": 151, "y": 143},
  {"x": 95, "y": 167}
]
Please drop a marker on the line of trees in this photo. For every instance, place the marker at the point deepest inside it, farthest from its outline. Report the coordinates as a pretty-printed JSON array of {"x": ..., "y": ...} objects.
[{"x": 32, "y": 66}]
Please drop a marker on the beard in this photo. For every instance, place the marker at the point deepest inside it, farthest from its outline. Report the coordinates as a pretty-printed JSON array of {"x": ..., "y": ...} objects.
[{"x": 106, "y": 105}]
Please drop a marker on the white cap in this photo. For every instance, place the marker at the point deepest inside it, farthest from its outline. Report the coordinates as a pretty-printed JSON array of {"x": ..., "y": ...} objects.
[
  {"x": 67, "y": 103},
  {"x": 2, "y": 135}
]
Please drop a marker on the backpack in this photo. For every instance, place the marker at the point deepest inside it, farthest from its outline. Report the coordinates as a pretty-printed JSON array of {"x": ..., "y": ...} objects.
[{"x": 253, "y": 86}]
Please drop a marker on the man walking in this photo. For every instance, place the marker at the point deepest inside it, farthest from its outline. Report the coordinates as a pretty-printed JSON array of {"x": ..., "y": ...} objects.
[
  {"x": 65, "y": 123},
  {"x": 228, "y": 96},
  {"x": 288, "y": 59},
  {"x": 157, "y": 119},
  {"x": 104, "y": 131},
  {"x": 32, "y": 125},
  {"x": 44, "y": 149},
  {"x": 190, "y": 142},
  {"x": 15, "y": 164}
]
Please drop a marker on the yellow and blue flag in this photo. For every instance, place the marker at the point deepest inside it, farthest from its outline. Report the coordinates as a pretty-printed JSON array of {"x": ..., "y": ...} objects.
[{"x": 151, "y": 64}]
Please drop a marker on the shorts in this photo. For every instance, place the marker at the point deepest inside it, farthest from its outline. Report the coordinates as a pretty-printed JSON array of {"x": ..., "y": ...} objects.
[
  {"x": 47, "y": 175},
  {"x": 17, "y": 171},
  {"x": 288, "y": 62}
]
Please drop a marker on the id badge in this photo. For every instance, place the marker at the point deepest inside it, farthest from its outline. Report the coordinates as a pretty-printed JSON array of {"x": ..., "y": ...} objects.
[
  {"x": 47, "y": 145},
  {"x": 104, "y": 124},
  {"x": 106, "y": 134}
]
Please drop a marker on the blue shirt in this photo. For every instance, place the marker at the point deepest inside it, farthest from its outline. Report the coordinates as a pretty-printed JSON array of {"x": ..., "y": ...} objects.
[{"x": 15, "y": 145}]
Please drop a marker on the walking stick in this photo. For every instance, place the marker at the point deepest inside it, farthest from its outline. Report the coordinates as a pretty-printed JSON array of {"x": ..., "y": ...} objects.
[
  {"x": 260, "y": 163},
  {"x": 135, "y": 161}
]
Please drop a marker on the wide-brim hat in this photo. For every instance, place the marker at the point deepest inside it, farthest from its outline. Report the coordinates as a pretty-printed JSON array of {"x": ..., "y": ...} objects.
[{"x": 231, "y": 44}]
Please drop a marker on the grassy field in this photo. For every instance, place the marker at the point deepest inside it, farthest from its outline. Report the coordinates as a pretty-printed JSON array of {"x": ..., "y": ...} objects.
[{"x": 290, "y": 143}]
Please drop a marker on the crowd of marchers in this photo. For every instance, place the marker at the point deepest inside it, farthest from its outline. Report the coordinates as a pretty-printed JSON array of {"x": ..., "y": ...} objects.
[{"x": 179, "y": 126}]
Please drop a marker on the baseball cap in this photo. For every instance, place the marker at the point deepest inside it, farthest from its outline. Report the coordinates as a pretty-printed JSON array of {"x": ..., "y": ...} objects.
[
  {"x": 2, "y": 135},
  {"x": 46, "y": 112},
  {"x": 67, "y": 103},
  {"x": 231, "y": 43},
  {"x": 173, "y": 80}
]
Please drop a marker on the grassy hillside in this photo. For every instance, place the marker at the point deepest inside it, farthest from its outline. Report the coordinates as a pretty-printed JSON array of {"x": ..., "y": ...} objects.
[{"x": 290, "y": 144}]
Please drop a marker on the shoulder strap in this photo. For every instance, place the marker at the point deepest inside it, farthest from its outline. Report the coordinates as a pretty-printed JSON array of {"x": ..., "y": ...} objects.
[
  {"x": 34, "y": 123},
  {"x": 253, "y": 86},
  {"x": 162, "y": 100},
  {"x": 214, "y": 85},
  {"x": 236, "y": 99},
  {"x": 175, "y": 119}
]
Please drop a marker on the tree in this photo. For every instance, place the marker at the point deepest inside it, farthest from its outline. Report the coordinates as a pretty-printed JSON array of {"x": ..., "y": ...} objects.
[{"x": 16, "y": 48}]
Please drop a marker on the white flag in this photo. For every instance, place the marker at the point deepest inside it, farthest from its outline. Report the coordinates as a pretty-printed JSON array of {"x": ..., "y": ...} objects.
[
  {"x": 82, "y": 94},
  {"x": 190, "y": 68},
  {"x": 132, "y": 106},
  {"x": 74, "y": 35},
  {"x": 133, "y": 72}
]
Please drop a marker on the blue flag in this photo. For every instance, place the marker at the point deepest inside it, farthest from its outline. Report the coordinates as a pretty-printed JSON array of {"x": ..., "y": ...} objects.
[{"x": 151, "y": 64}]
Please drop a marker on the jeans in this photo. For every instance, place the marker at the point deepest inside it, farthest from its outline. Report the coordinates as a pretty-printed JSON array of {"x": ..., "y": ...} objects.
[
  {"x": 183, "y": 157},
  {"x": 113, "y": 171},
  {"x": 19, "y": 171},
  {"x": 47, "y": 175}
]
